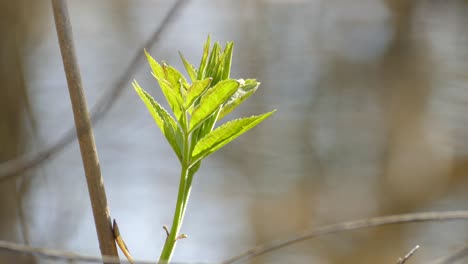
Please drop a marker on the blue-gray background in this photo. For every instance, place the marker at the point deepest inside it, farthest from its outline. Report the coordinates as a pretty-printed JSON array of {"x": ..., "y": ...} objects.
[{"x": 371, "y": 98}]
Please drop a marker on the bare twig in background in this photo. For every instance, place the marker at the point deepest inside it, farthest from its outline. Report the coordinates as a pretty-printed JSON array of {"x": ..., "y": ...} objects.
[
  {"x": 84, "y": 130},
  {"x": 58, "y": 254},
  {"x": 259, "y": 250},
  {"x": 28, "y": 161},
  {"x": 408, "y": 255},
  {"x": 348, "y": 226},
  {"x": 22, "y": 184},
  {"x": 65, "y": 255},
  {"x": 453, "y": 257}
]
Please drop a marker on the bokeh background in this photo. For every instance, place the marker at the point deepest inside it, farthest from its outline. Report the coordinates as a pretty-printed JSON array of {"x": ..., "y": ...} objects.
[{"x": 371, "y": 97}]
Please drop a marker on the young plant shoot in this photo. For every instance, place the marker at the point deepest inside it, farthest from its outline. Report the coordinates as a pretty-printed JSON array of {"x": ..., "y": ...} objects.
[{"x": 196, "y": 107}]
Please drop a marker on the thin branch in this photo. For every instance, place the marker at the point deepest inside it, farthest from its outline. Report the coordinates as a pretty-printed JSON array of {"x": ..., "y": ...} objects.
[
  {"x": 408, "y": 255},
  {"x": 259, "y": 250},
  {"x": 28, "y": 161},
  {"x": 454, "y": 256},
  {"x": 60, "y": 255},
  {"x": 84, "y": 130},
  {"x": 71, "y": 257},
  {"x": 348, "y": 226}
]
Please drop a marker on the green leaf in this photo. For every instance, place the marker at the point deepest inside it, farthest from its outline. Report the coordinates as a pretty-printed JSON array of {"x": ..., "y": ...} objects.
[
  {"x": 165, "y": 122},
  {"x": 206, "y": 50},
  {"x": 155, "y": 66},
  {"x": 227, "y": 60},
  {"x": 218, "y": 70},
  {"x": 196, "y": 90},
  {"x": 207, "y": 126},
  {"x": 192, "y": 72},
  {"x": 225, "y": 134},
  {"x": 178, "y": 83},
  {"x": 173, "y": 98},
  {"x": 212, "y": 100},
  {"x": 213, "y": 60},
  {"x": 245, "y": 90},
  {"x": 174, "y": 77}
]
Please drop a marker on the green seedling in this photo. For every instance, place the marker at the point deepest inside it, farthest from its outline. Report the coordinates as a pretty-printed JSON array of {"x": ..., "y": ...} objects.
[{"x": 197, "y": 107}]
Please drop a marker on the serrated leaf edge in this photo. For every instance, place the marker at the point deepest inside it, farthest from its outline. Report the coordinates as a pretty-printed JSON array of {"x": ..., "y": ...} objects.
[{"x": 203, "y": 153}]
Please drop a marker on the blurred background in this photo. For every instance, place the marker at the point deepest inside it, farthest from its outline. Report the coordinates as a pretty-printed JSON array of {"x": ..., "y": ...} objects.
[{"x": 371, "y": 98}]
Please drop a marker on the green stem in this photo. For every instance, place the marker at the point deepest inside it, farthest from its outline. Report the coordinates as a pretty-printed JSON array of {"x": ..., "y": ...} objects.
[
  {"x": 182, "y": 198},
  {"x": 188, "y": 187},
  {"x": 169, "y": 245}
]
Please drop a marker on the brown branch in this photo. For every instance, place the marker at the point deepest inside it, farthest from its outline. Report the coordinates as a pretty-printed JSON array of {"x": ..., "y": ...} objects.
[
  {"x": 407, "y": 256},
  {"x": 348, "y": 226},
  {"x": 84, "y": 130},
  {"x": 28, "y": 161}
]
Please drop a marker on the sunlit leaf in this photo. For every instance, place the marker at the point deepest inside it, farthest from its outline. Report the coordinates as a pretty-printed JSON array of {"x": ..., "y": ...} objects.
[
  {"x": 225, "y": 134},
  {"x": 204, "y": 60},
  {"x": 212, "y": 100},
  {"x": 191, "y": 71},
  {"x": 155, "y": 66},
  {"x": 194, "y": 91},
  {"x": 162, "y": 118},
  {"x": 173, "y": 76},
  {"x": 227, "y": 60},
  {"x": 245, "y": 90},
  {"x": 218, "y": 69},
  {"x": 213, "y": 60},
  {"x": 173, "y": 98}
]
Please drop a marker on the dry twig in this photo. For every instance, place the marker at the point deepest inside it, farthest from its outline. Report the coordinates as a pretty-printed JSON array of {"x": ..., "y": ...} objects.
[
  {"x": 408, "y": 255},
  {"x": 121, "y": 243},
  {"x": 65, "y": 255},
  {"x": 348, "y": 226},
  {"x": 262, "y": 249},
  {"x": 59, "y": 254},
  {"x": 84, "y": 130},
  {"x": 28, "y": 161}
]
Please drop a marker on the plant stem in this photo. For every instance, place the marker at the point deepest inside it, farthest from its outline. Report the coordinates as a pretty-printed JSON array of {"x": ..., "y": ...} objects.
[
  {"x": 84, "y": 131},
  {"x": 182, "y": 199},
  {"x": 188, "y": 188},
  {"x": 169, "y": 245}
]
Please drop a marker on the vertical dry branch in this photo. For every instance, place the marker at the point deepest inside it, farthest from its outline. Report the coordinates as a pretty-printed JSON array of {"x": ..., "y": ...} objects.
[{"x": 84, "y": 131}]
